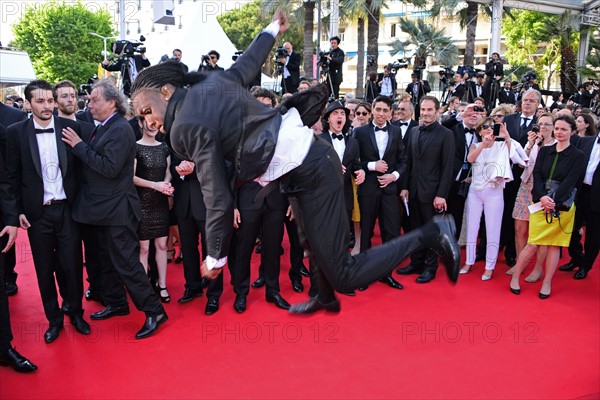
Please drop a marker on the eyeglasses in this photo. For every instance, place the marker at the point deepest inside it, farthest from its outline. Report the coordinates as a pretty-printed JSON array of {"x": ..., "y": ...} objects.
[
  {"x": 486, "y": 126},
  {"x": 498, "y": 116},
  {"x": 362, "y": 113},
  {"x": 546, "y": 124},
  {"x": 213, "y": 57}
]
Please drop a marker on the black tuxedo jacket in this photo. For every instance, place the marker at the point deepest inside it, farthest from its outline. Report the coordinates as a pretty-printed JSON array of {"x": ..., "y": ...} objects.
[
  {"x": 430, "y": 161},
  {"x": 513, "y": 124},
  {"x": 411, "y": 125},
  {"x": 215, "y": 118},
  {"x": 107, "y": 196},
  {"x": 10, "y": 115},
  {"x": 460, "y": 148},
  {"x": 350, "y": 160},
  {"x": 8, "y": 209},
  {"x": 586, "y": 145},
  {"x": 26, "y": 174},
  {"x": 506, "y": 98},
  {"x": 422, "y": 90},
  {"x": 293, "y": 66},
  {"x": 459, "y": 91},
  {"x": 394, "y": 156},
  {"x": 85, "y": 115},
  {"x": 335, "y": 65},
  {"x": 188, "y": 201}
]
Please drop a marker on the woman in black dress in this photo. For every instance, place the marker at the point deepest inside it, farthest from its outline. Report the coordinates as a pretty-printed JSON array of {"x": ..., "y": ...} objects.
[{"x": 153, "y": 181}]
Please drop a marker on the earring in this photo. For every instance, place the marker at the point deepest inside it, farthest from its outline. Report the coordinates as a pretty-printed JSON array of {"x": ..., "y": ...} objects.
[{"x": 166, "y": 98}]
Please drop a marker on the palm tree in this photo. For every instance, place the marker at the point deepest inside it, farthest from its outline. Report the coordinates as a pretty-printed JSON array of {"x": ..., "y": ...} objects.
[
  {"x": 561, "y": 27},
  {"x": 591, "y": 70},
  {"x": 304, "y": 10},
  {"x": 427, "y": 41},
  {"x": 357, "y": 9}
]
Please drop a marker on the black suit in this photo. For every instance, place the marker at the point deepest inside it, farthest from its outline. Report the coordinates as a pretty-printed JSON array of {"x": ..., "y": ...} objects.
[
  {"x": 335, "y": 70},
  {"x": 430, "y": 160},
  {"x": 123, "y": 64},
  {"x": 405, "y": 218},
  {"x": 587, "y": 212},
  {"x": 506, "y": 96},
  {"x": 188, "y": 206},
  {"x": 459, "y": 91},
  {"x": 8, "y": 217},
  {"x": 393, "y": 83},
  {"x": 108, "y": 199},
  {"x": 519, "y": 133},
  {"x": 9, "y": 116},
  {"x": 85, "y": 115},
  {"x": 417, "y": 90},
  {"x": 376, "y": 202},
  {"x": 293, "y": 66},
  {"x": 53, "y": 232}
]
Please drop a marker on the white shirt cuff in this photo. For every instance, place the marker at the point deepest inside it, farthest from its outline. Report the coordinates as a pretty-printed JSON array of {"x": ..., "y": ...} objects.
[
  {"x": 371, "y": 165},
  {"x": 213, "y": 263},
  {"x": 396, "y": 174},
  {"x": 272, "y": 28}
]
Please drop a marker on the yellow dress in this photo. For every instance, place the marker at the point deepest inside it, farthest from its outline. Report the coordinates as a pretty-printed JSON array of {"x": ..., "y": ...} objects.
[{"x": 557, "y": 233}]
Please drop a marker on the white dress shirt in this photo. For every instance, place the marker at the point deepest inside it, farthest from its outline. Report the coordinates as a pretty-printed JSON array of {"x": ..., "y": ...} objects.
[
  {"x": 51, "y": 173},
  {"x": 381, "y": 137},
  {"x": 338, "y": 145},
  {"x": 593, "y": 163}
]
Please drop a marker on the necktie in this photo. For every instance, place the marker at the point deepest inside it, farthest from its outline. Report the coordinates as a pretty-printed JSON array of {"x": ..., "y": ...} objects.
[
  {"x": 384, "y": 129},
  {"x": 338, "y": 137},
  {"x": 49, "y": 130},
  {"x": 525, "y": 120},
  {"x": 403, "y": 124},
  {"x": 93, "y": 135}
]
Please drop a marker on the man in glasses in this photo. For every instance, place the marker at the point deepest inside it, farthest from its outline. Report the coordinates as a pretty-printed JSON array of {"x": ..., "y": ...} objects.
[{"x": 210, "y": 63}]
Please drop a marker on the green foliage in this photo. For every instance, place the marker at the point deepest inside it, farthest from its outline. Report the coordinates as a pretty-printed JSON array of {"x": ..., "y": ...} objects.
[
  {"x": 244, "y": 23},
  {"x": 55, "y": 36},
  {"x": 427, "y": 41}
]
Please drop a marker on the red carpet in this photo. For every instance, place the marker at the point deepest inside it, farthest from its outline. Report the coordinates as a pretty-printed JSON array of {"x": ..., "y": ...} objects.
[{"x": 469, "y": 341}]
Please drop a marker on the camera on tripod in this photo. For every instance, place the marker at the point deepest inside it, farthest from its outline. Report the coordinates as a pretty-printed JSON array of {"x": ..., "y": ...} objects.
[
  {"x": 323, "y": 62},
  {"x": 418, "y": 72},
  {"x": 400, "y": 63},
  {"x": 125, "y": 48},
  {"x": 86, "y": 88},
  {"x": 446, "y": 74},
  {"x": 526, "y": 80}
]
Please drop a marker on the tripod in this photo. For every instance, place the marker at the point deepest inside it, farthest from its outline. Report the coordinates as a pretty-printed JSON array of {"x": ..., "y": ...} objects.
[
  {"x": 324, "y": 74},
  {"x": 493, "y": 97}
]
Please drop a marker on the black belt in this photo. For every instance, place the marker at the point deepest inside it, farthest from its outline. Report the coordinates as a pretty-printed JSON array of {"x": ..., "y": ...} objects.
[{"x": 54, "y": 201}]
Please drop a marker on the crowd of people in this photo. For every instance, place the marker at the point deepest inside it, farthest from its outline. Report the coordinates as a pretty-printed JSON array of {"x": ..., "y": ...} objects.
[{"x": 231, "y": 171}]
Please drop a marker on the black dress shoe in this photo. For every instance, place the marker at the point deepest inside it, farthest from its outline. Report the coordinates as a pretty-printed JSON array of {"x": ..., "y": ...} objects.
[
  {"x": 91, "y": 296},
  {"x": 297, "y": 285},
  {"x": 313, "y": 305},
  {"x": 110, "y": 312},
  {"x": 179, "y": 259},
  {"x": 350, "y": 293},
  {"x": 52, "y": 333},
  {"x": 19, "y": 363},
  {"x": 279, "y": 301},
  {"x": 11, "y": 288},
  {"x": 570, "y": 266},
  {"x": 189, "y": 295},
  {"x": 511, "y": 262},
  {"x": 304, "y": 271},
  {"x": 391, "y": 282},
  {"x": 409, "y": 269},
  {"x": 80, "y": 324},
  {"x": 239, "y": 304},
  {"x": 581, "y": 273},
  {"x": 212, "y": 306},
  {"x": 260, "y": 282},
  {"x": 426, "y": 276},
  {"x": 151, "y": 325},
  {"x": 446, "y": 246}
]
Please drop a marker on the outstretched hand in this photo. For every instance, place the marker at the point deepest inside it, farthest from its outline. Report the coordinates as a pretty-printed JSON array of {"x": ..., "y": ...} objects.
[{"x": 284, "y": 22}]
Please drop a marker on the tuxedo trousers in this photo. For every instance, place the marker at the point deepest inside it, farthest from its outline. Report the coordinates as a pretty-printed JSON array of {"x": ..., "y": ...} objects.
[
  {"x": 316, "y": 191},
  {"x": 122, "y": 246},
  {"x": 5, "y": 330}
]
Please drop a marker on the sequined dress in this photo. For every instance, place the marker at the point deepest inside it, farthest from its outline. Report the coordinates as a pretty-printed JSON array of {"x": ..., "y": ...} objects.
[{"x": 152, "y": 166}]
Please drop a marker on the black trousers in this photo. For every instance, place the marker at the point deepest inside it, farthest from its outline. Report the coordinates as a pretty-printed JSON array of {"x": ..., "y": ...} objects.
[
  {"x": 507, "y": 233},
  {"x": 5, "y": 331},
  {"x": 270, "y": 223},
  {"x": 296, "y": 249},
  {"x": 56, "y": 246},
  {"x": 122, "y": 246},
  {"x": 378, "y": 205},
  {"x": 456, "y": 206},
  {"x": 10, "y": 261},
  {"x": 582, "y": 212},
  {"x": 591, "y": 244},
  {"x": 317, "y": 198},
  {"x": 192, "y": 232},
  {"x": 93, "y": 258},
  {"x": 421, "y": 214}
]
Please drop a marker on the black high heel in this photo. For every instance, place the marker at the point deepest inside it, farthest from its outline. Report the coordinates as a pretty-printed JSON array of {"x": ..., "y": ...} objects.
[
  {"x": 544, "y": 296},
  {"x": 515, "y": 291},
  {"x": 164, "y": 299}
]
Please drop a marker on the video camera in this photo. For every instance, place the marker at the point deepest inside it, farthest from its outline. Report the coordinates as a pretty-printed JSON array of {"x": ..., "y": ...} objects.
[
  {"x": 86, "y": 88},
  {"x": 526, "y": 80},
  {"x": 446, "y": 73},
  {"x": 418, "y": 71},
  {"x": 127, "y": 48},
  {"x": 165, "y": 58},
  {"x": 400, "y": 63},
  {"x": 280, "y": 52},
  {"x": 323, "y": 62}
]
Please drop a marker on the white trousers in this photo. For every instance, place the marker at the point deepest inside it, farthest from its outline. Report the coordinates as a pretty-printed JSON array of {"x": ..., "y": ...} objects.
[{"x": 490, "y": 201}]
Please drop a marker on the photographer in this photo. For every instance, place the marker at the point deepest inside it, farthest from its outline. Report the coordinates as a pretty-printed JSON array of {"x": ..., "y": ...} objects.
[
  {"x": 291, "y": 68},
  {"x": 417, "y": 89},
  {"x": 507, "y": 95},
  {"x": 387, "y": 82},
  {"x": 494, "y": 72},
  {"x": 371, "y": 87},
  {"x": 209, "y": 62},
  {"x": 177, "y": 55},
  {"x": 336, "y": 59},
  {"x": 128, "y": 63},
  {"x": 587, "y": 94}
]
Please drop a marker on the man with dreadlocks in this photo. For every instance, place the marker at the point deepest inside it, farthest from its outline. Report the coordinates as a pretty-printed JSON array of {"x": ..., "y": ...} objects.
[{"x": 231, "y": 138}]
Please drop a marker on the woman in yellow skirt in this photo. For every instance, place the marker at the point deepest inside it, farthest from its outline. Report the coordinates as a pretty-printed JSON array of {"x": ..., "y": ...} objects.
[{"x": 550, "y": 227}]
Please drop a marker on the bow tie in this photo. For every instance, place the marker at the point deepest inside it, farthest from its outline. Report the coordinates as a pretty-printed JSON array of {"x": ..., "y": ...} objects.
[
  {"x": 471, "y": 131},
  {"x": 403, "y": 124},
  {"x": 338, "y": 137},
  {"x": 377, "y": 129},
  {"x": 49, "y": 130}
]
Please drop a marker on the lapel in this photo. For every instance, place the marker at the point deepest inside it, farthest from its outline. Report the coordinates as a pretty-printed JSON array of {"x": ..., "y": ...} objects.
[
  {"x": 33, "y": 146},
  {"x": 371, "y": 129},
  {"x": 327, "y": 137},
  {"x": 60, "y": 147},
  {"x": 102, "y": 129},
  {"x": 390, "y": 139},
  {"x": 414, "y": 142}
]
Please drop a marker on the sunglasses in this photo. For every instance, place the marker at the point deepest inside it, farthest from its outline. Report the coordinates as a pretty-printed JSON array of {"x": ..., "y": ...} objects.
[
  {"x": 362, "y": 113},
  {"x": 213, "y": 57},
  {"x": 486, "y": 126},
  {"x": 497, "y": 116}
]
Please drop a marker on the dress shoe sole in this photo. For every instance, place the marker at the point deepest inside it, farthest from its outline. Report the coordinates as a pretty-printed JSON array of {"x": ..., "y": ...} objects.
[{"x": 113, "y": 314}]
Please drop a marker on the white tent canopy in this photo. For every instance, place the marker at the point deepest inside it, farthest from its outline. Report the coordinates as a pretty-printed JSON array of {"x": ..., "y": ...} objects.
[{"x": 15, "y": 68}]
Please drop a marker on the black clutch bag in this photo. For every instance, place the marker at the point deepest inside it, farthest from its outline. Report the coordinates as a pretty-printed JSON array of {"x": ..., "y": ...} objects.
[
  {"x": 552, "y": 186},
  {"x": 463, "y": 189}
]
